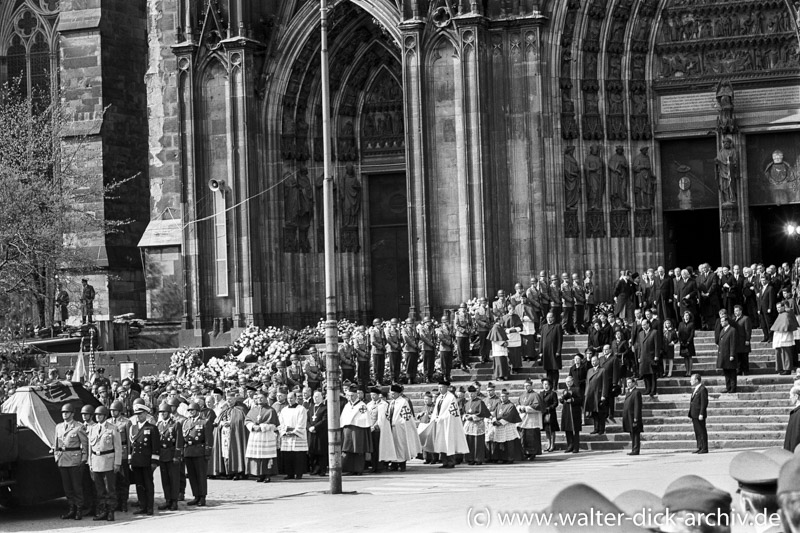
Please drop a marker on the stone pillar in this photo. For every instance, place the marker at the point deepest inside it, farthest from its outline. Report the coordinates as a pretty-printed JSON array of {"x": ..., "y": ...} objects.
[
  {"x": 102, "y": 68},
  {"x": 419, "y": 260}
]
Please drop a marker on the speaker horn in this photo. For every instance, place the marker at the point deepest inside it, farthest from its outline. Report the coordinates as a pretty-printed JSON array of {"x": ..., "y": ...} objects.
[{"x": 216, "y": 185}]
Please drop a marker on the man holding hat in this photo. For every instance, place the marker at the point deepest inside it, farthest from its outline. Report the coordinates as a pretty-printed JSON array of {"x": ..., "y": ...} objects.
[
  {"x": 71, "y": 451},
  {"x": 105, "y": 460},
  {"x": 449, "y": 438},
  {"x": 145, "y": 446},
  {"x": 197, "y": 439},
  {"x": 356, "y": 441},
  {"x": 170, "y": 433}
]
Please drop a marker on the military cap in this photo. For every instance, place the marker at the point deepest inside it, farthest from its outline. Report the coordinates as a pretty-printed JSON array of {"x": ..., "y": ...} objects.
[
  {"x": 283, "y": 389},
  {"x": 164, "y": 408},
  {"x": 87, "y": 410},
  {"x": 693, "y": 493},
  {"x": 116, "y": 405},
  {"x": 174, "y": 402},
  {"x": 542, "y": 273},
  {"x": 67, "y": 408},
  {"x": 193, "y": 407},
  {"x": 217, "y": 390},
  {"x": 396, "y": 387},
  {"x": 579, "y": 499},
  {"x": 553, "y": 277},
  {"x": 789, "y": 476},
  {"x": 141, "y": 407},
  {"x": 490, "y": 385},
  {"x": 640, "y": 503},
  {"x": 102, "y": 410},
  {"x": 462, "y": 305},
  {"x": 138, "y": 401},
  {"x": 756, "y": 472},
  {"x": 376, "y": 321}
]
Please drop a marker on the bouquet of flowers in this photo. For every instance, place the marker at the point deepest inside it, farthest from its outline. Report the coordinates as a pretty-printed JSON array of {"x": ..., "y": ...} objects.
[{"x": 185, "y": 360}]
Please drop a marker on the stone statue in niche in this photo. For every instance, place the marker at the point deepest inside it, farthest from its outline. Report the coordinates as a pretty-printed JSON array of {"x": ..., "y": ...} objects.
[
  {"x": 350, "y": 188},
  {"x": 725, "y": 121},
  {"x": 727, "y": 164},
  {"x": 305, "y": 206},
  {"x": 572, "y": 179},
  {"x": 291, "y": 198},
  {"x": 595, "y": 178},
  {"x": 619, "y": 178},
  {"x": 779, "y": 171},
  {"x": 644, "y": 181}
]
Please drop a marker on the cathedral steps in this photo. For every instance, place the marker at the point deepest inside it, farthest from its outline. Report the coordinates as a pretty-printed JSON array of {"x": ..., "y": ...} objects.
[{"x": 754, "y": 417}]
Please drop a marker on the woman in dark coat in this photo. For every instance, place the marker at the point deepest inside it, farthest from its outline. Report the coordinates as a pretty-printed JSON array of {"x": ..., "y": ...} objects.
[
  {"x": 792, "y": 439},
  {"x": 595, "y": 337},
  {"x": 686, "y": 340},
  {"x": 572, "y": 415}
]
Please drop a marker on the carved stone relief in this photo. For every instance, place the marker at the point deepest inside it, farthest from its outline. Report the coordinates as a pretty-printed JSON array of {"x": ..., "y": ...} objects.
[{"x": 569, "y": 125}]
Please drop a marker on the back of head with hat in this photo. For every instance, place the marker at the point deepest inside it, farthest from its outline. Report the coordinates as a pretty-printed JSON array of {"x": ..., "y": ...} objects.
[
  {"x": 695, "y": 494},
  {"x": 580, "y": 499},
  {"x": 789, "y": 493}
]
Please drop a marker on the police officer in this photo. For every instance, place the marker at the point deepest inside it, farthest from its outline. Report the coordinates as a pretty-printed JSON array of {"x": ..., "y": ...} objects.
[
  {"x": 145, "y": 446},
  {"x": 169, "y": 456},
  {"x": 198, "y": 437},
  {"x": 89, "y": 496},
  {"x": 71, "y": 452},
  {"x": 123, "y": 475},
  {"x": 105, "y": 460}
]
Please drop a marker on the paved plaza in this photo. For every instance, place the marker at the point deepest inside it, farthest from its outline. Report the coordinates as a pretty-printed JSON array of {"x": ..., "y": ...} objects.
[{"x": 424, "y": 499}]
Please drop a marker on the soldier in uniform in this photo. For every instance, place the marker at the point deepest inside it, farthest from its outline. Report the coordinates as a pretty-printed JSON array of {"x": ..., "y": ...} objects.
[
  {"x": 71, "y": 453},
  {"x": 462, "y": 323},
  {"x": 197, "y": 439},
  {"x": 377, "y": 341},
  {"x": 393, "y": 342},
  {"x": 347, "y": 357},
  {"x": 174, "y": 403},
  {"x": 89, "y": 499},
  {"x": 145, "y": 446},
  {"x": 105, "y": 460},
  {"x": 170, "y": 433},
  {"x": 410, "y": 354},
  {"x": 122, "y": 482},
  {"x": 446, "y": 339},
  {"x": 361, "y": 347},
  {"x": 427, "y": 343}
]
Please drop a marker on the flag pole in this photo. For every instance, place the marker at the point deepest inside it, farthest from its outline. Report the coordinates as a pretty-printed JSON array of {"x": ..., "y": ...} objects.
[{"x": 333, "y": 378}]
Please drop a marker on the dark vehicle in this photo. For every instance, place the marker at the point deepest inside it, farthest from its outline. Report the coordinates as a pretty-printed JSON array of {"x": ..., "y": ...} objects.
[{"x": 28, "y": 472}]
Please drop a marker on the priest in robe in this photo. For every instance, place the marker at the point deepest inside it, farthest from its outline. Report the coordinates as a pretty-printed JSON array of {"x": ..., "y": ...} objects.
[
  {"x": 262, "y": 450},
  {"x": 505, "y": 419},
  {"x": 382, "y": 439},
  {"x": 230, "y": 439},
  {"x": 404, "y": 430},
  {"x": 475, "y": 415},
  {"x": 491, "y": 401},
  {"x": 499, "y": 339},
  {"x": 318, "y": 434},
  {"x": 424, "y": 417},
  {"x": 356, "y": 423},
  {"x": 530, "y": 408},
  {"x": 294, "y": 438},
  {"x": 572, "y": 414},
  {"x": 529, "y": 322},
  {"x": 448, "y": 429}
]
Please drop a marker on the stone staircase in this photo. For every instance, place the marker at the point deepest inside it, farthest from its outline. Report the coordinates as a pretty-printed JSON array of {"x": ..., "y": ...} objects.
[{"x": 754, "y": 417}]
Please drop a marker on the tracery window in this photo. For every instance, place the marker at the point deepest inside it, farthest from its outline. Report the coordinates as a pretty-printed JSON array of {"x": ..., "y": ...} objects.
[{"x": 30, "y": 53}]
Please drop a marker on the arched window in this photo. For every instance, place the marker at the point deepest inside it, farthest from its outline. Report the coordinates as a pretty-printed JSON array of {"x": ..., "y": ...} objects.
[{"x": 29, "y": 58}]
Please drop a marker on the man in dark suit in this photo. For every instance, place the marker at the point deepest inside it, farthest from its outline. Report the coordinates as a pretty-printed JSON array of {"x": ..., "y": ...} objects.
[
  {"x": 726, "y": 353},
  {"x": 648, "y": 351},
  {"x": 686, "y": 293},
  {"x": 623, "y": 297},
  {"x": 749, "y": 295},
  {"x": 767, "y": 298},
  {"x": 552, "y": 340},
  {"x": 595, "y": 403},
  {"x": 145, "y": 445},
  {"x": 698, "y": 407},
  {"x": 662, "y": 291},
  {"x": 572, "y": 414},
  {"x": 613, "y": 372},
  {"x": 708, "y": 288},
  {"x": 744, "y": 330},
  {"x": 632, "y": 415}
]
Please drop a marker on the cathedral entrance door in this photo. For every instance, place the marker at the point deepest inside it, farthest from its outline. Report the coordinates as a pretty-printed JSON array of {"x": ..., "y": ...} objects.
[
  {"x": 692, "y": 238},
  {"x": 389, "y": 256}
]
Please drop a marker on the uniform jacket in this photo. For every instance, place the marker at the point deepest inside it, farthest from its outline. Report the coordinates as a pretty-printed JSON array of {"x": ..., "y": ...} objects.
[
  {"x": 198, "y": 436},
  {"x": 145, "y": 444},
  {"x": 554, "y": 294},
  {"x": 445, "y": 337},
  {"x": 462, "y": 323},
  {"x": 361, "y": 346},
  {"x": 171, "y": 436},
  {"x": 377, "y": 340},
  {"x": 409, "y": 339},
  {"x": 124, "y": 427},
  {"x": 579, "y": 293},
  {"x": 392, "y": 339},
  {"x": 427, "y": 340},
  {"x": 72, "y": 444},
  {"x": 567, "y": 296},
  {"x": 346, "y": 355},
  {"x": 534, "y": 298},
  {"x": 698, "y": 405},
  {"x": 105, "y": 447}
]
